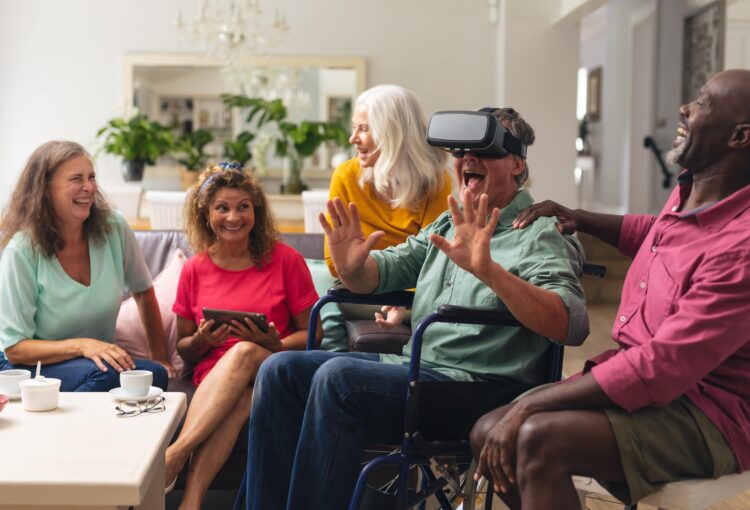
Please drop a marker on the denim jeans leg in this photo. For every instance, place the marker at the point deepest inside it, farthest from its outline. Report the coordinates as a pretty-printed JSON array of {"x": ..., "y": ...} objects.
[
  {"x": 82, "y": 374},
  {"x": 352, "y": 400},
  {"x": 279, "y": 397}
]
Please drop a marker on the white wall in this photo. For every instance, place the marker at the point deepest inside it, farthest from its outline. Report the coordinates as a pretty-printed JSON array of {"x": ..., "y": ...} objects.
[
  {"x": 593, "y": 54},
  {"x": 669, "y": 86},
  {"x": 738, "y": 35},
  {"x": 61, "y": 60},
  {"x": 537, "y": 59},
  {"x": 538, "y": 65}
]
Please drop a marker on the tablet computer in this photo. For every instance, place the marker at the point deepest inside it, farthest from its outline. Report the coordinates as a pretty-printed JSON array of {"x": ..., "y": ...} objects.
[{"x": 227, "y": 316}]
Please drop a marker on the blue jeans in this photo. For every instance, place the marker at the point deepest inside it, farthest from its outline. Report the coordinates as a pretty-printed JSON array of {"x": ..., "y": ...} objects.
[
  {"x": 82, "y": 374},
  {"x": 312, "y": 414}
]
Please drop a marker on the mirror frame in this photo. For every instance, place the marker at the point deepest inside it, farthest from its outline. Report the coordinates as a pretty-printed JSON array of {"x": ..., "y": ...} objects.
[{"x": 130, "y": 61}]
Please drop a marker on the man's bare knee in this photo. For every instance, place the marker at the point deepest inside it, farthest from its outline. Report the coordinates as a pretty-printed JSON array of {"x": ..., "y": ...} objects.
[{"x": 541, "y": 447}]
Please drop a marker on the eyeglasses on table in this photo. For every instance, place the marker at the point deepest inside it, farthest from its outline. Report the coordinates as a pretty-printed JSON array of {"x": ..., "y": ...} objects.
[{"x": 129, "y": 408}]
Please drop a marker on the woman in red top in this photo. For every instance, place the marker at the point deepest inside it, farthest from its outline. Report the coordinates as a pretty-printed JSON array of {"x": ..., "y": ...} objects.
[{"x": 239, "y": 265}]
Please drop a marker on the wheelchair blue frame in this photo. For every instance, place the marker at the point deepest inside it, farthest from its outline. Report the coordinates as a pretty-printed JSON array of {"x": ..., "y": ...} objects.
[{"x": 409, "y": 454}]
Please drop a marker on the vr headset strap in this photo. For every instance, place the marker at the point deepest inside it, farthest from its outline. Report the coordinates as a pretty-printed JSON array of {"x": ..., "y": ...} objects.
[{"x": 510, "y": 142}]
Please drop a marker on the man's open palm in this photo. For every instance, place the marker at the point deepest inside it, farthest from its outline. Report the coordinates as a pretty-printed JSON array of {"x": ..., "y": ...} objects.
[
  {"x": 470, "y": 247},
  {"x": 346, "y": 242}
]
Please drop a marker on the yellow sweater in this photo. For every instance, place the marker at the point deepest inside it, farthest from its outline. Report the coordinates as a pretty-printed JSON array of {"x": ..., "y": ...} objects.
[{"x": 397, "y": 223}]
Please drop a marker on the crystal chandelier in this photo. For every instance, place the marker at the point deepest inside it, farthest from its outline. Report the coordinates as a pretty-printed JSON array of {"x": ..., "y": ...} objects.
[{"x": 233, "y": 31}]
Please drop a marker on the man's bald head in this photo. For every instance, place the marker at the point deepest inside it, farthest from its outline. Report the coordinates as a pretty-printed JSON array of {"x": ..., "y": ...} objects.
[
  {"x": 733, "y": 88},
  {"x": 714, "y": 128}
]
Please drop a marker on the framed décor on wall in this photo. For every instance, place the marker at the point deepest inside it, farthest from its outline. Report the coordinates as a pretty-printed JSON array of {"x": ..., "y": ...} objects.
[
  {"x": 703, "y": 47},
  {"x": 339, "y": 110},
  {"x": 594, "y": 94}
]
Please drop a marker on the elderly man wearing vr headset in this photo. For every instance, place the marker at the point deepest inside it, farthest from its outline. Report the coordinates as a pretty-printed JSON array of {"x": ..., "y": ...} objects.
[{"x": 313, "y": 411}]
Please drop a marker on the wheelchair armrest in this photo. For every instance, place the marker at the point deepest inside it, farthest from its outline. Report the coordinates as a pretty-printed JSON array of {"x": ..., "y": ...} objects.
[
  {"x": 457, "y": 314},
  {"x": 343, "y": 295},
  {"x": 473, "y": 315},
  {"x": 476, "y": 315},
  {"x": 395, "y": 298}
]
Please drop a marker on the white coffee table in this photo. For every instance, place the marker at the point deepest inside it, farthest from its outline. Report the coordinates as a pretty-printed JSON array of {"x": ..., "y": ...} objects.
[{"x": 83, "y": 455}]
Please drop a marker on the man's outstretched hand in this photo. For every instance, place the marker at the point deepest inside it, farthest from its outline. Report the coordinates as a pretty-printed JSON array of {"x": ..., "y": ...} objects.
[
  {"x": 346, "y": 241},
  {"x": 470, "y": 247}
]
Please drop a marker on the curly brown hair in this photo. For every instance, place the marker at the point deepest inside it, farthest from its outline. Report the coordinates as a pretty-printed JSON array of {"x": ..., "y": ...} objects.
[
  {"x": 30, "y": 208},
  {"x": 263, "y": 237}
]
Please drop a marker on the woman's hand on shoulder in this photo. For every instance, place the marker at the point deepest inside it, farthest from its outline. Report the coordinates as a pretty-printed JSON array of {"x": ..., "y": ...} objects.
[
  {"x": 99, "y": 352},
  {"x": 250, "y": 332}
]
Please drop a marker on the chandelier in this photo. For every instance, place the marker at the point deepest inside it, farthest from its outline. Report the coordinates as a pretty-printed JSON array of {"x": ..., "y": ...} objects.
[{"x": 233, "y": 31}]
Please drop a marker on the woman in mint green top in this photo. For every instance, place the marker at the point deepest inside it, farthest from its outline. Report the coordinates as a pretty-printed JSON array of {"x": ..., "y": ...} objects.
[{"x": 67, "y": 262}]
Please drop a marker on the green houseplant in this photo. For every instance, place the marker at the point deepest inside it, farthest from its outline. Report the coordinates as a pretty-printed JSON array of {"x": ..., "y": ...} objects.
[
  {"x": 296, "y": 141},
  {"x": 190, "y": 152},
  {"x": 239, "y": 148},
  {"x": 138, "y": 140},
  {"x": 190, "y": 149}
]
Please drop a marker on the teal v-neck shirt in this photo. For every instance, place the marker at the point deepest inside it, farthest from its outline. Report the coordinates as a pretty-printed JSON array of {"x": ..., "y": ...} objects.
[
  {"x": 539, "y": 254},
  {"x": 39, "y": 300}
]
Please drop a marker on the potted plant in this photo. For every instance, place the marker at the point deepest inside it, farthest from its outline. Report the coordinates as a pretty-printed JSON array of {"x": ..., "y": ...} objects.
[
  {"x": 239, "y": 148},
  {"x": 138, "y": 140},
  {"x": 296, "y": 141},
  {"x": 190, "y": 152}
]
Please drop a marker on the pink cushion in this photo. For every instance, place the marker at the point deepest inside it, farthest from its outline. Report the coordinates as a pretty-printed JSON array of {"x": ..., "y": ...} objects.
[{"x": 129, "y": 332}]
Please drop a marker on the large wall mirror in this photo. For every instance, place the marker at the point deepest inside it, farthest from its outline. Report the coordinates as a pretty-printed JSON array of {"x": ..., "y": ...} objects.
[{"x": 183, "y": 91}]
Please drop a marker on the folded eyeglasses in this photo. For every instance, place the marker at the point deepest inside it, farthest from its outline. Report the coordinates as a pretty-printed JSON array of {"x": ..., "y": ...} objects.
[{"x": 129, "y": 408}]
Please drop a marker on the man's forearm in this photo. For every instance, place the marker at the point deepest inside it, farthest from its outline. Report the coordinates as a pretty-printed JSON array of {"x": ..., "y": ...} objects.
[
  {"x": 363, "y": 280},
  {"x": 602, "y": 226},
  {"x": 581, "y": 393},
  {"x": 540, "y": 310}
]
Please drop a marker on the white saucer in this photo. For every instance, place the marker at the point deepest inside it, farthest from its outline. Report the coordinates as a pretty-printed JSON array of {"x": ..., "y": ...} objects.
[
  {"x": 119, "y": 395},
  {"x": 13, "y": 396}
]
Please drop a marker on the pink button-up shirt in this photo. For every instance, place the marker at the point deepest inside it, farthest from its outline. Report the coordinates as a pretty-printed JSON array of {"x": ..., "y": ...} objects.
[{"x": 684, "y": 319}]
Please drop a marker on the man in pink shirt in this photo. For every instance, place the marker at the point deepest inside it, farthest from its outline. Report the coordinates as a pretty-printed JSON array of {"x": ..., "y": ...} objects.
[{"x": 674, "y": 400}]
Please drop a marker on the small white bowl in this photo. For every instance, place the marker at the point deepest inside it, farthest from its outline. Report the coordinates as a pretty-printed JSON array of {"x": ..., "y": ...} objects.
[{"x": 40, "y": 394}]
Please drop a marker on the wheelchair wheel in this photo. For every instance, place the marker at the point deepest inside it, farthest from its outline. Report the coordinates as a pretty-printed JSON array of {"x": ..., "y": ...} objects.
[{"x": 383, "y": 486}]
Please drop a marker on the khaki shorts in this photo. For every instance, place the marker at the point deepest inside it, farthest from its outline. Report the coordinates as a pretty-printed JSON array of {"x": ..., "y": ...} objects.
[{"x": 661, "y": 445}]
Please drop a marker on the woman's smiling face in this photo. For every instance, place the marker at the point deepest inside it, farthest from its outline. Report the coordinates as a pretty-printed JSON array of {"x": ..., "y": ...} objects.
[
  {"x": 231, "y": 215},
  {"x": 362, "y": 138},
  {"x": 73, "y": 190}
]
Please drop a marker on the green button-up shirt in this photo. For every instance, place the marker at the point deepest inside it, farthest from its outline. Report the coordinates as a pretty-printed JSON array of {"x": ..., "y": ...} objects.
[{"x": 539, "y": 254}]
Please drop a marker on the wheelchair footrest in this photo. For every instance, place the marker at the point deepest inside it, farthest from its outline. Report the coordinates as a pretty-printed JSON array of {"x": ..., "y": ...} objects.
[{"x": 444, "y": 464}]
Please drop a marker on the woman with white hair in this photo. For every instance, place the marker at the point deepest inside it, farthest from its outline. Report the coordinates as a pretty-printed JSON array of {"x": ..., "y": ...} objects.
[{"x": 399, "y": 183}]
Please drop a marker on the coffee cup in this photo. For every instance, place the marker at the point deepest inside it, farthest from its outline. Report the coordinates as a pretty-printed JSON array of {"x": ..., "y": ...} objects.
[
  {"x": 10, "y": 381},
  {"x": 40, "y": 394},
  {"x": 136, "y": 383}
]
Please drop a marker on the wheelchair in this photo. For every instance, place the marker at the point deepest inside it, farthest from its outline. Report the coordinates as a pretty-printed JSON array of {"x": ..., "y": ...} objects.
[{"x": 434, "y": 443}]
